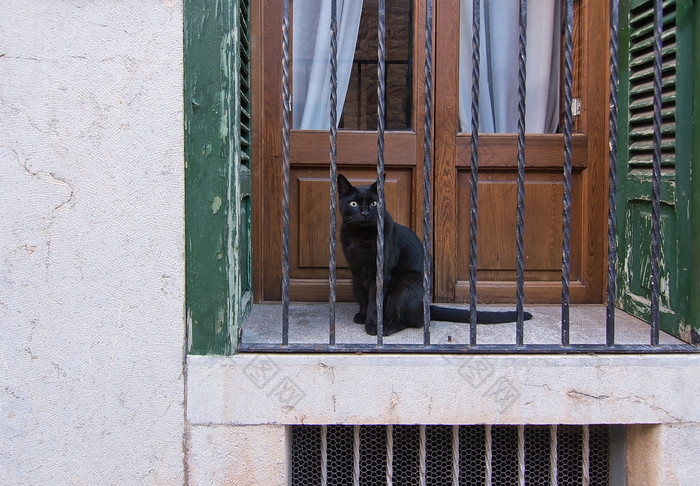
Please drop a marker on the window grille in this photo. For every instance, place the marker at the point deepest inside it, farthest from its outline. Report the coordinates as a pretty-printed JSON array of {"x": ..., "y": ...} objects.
[
  {"x": 519, "y": 346},
  {"x": 449, "y": 455}
]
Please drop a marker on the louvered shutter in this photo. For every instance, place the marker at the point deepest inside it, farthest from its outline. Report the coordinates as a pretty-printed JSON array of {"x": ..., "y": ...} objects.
[
  {"x": 243, "y": 258},
  {"x": 635, "y": 161},
  {"x": 641, "y": 77}
]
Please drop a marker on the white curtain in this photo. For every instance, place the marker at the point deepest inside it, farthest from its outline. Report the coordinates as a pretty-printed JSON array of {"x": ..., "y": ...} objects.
[
  {"x": 498, "y": 82},
  {"x": 311, "y": 59}
]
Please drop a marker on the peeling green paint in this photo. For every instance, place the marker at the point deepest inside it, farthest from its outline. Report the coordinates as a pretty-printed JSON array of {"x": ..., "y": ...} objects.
[
  {"x": 206, "y": 150},
  {"x": 219, "y": 321},
  {"x": 685, "y": 332},
  {"x": 216, "y": 204},
  {"x": 693, "y": 197},
  {"x": 217, "y": 210},
  {"x": 679, "y": 221}
]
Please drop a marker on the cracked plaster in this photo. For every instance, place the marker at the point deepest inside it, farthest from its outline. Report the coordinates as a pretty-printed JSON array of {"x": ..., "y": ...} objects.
[{"x": 91, "y": 242}]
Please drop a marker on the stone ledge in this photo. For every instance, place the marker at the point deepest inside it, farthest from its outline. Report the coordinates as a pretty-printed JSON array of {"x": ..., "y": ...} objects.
[{"x": 254, "y": 389}]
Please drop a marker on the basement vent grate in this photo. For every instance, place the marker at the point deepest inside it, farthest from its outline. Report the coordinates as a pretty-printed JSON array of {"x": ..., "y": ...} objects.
[{"x": 449, "y": 455}]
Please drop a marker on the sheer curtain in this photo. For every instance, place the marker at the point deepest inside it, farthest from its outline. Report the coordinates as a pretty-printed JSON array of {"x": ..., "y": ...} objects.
[
  {"x": 311, "y": 39},
  {"x": 498, "y": 84}
]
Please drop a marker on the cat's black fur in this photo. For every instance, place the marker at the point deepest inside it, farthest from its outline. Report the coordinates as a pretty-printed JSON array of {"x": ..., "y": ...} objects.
[{"x": 403, "y": 267}]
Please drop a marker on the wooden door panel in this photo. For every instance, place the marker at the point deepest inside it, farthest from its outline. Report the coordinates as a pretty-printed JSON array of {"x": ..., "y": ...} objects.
[
  {"x": 496, "y": 266},
  {"x": 544, "y": 156},
  {"x": 310, "y": 225},
  {"x": 309, "y": 164},
  {"x": 311, "y": 147},
  {"x": 542, "y": 151}
]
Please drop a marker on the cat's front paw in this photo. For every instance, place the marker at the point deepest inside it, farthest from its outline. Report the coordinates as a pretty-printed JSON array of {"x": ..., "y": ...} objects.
[
  {"x": 360, "y": 318},
  {"x": 371, "y": 329}
]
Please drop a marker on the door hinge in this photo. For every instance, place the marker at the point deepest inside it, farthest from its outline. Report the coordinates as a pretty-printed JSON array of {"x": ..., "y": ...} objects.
[{"x": 576, "y": 107}]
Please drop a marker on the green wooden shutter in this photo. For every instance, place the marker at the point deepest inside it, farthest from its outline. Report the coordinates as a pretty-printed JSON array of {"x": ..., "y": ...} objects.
[
  {"x": 635, "y": 156},
  {"x": 217, "y": 173},
  {"x": 244, "y": 182}
]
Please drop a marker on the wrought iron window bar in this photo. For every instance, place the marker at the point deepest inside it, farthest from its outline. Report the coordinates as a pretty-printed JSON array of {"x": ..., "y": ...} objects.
[{"x": 519, "y": 347}]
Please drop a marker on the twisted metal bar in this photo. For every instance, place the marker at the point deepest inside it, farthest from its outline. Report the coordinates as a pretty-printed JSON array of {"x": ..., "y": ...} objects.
[
  {"x": 356, "y": 455},
  {"x": 612, "y": 177},
  {"x": 488, "y": 459},
  {"x": 520, "y": 211},
  {"x": 553, "y": 455},
  {"x": 427, "y": 170},
  {"x": 381, "y": 111},
  {"x": 474, "y": 163},
  {"x": 333, "y": 171},
  {"x": 568, "y": 126},
  {"x": 656, "y": 177},
  {"x": 422, "y": 455},
  {"x": 286, "y": 112},
  {"x": 324, "y": 455},
  {"x": 389, "y": 455},
  {"x": 455, "y": 454},
  {"x": 586, "y": 454},
  {"x": 521, "y": 455}
]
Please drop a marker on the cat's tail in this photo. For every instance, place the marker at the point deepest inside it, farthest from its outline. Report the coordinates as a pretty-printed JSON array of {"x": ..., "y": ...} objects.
[{"x": 450, "y": 314}]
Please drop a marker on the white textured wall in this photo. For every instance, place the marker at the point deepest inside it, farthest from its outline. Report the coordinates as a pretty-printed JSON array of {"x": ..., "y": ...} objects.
[{"x": 91, "y": 242}]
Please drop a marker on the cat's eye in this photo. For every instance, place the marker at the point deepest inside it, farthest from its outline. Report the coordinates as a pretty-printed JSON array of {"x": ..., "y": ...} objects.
[
  {"x": 353, "y": 204},
  {"x": 373, "y": 203}
]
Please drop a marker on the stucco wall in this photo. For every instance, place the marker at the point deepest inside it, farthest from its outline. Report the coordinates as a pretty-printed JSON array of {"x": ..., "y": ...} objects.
[{"x": 91, "y": 242}]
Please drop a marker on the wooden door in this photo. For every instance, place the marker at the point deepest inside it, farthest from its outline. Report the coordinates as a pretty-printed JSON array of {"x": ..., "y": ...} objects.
[
  {"x": 357, "y": 155},
  {"x": 544, "y": 154},
  {"x": 357, "y": 148}
]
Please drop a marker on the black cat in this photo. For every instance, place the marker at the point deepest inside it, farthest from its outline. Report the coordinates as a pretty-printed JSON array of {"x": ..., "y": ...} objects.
[{"x": 403, "y": 267}]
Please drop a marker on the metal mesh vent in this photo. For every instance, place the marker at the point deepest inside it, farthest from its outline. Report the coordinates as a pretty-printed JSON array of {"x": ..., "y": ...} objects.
[
  {"x": 340, "y": 452},
  {"x": 504, "y": 453},
  {"x": 406, "y": 457},
  {"x": 449, "y": 455},
  {"x": 472, "y": 451},
  {"x": 537, "y": 454}
]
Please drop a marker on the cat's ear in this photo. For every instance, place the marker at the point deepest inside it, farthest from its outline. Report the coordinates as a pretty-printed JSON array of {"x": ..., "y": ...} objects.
[{"x": 344, "y": 186}]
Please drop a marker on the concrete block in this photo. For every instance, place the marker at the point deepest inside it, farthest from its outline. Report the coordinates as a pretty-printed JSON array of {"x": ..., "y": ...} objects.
[{"x": 237, "y": 455}]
